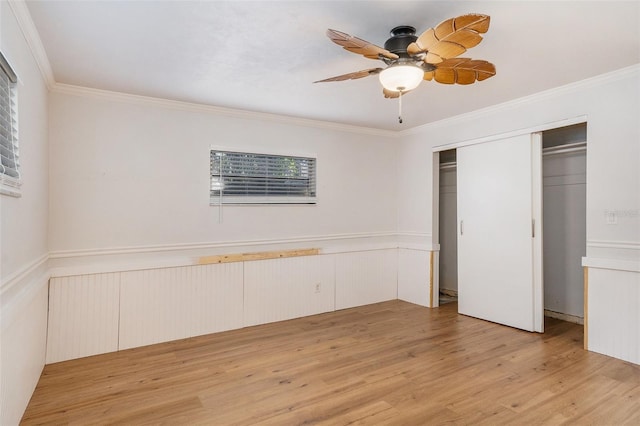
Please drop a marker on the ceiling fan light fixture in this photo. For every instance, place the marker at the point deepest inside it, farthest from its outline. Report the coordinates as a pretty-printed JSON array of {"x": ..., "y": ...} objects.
[{"x": 401, "y": 78}]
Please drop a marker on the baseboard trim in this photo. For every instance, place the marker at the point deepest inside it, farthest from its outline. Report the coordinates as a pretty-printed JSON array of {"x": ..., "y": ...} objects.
[
  {"x": 450, "y": 293},
  {"x": 564, "y": 317}
]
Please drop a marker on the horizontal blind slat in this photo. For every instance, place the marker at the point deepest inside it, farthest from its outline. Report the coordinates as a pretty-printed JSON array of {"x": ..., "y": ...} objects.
[
  {"x": 9, "y": 157},
  {"x": 261, "y": 178}
]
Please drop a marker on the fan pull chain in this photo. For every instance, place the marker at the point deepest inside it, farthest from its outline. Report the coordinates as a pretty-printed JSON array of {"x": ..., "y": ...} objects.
[{"x": 400, "y": 108}]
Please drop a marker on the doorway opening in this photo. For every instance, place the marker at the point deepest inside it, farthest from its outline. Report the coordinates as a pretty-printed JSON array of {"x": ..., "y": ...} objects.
[
  {"x": 564, "y": 198},
  {"x": 448, "y": 258}
]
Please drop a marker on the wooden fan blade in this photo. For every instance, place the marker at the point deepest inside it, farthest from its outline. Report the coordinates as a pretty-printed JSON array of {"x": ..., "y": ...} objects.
[
  {"x": 450, "y": 38},
  {"x": 461, "y": 71},
  {"x": 352, "y": 75},
  {"x": 359, "y": 46}
]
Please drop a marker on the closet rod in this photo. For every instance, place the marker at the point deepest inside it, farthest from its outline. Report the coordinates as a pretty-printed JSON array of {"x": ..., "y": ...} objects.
[
  {"x": 565, "y": 149},
  {"x": 449, "y": 165}
]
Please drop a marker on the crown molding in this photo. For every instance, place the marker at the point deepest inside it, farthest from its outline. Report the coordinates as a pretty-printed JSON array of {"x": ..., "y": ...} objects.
[
  {"x": 32, "y": 37},
  {"x": 595, "y": 81},
  {"x": 69, "y": 89}
]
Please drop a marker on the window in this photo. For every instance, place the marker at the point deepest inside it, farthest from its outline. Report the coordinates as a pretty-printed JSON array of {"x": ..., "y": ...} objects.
[
  {"x": 251, "y": 178},
  {"x": 9, "y": 164}
]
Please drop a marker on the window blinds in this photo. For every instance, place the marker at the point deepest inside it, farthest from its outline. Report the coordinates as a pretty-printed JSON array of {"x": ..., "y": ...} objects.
[
  {"x": 250, "y": 178},
  {"x": 9, "y": 164}
]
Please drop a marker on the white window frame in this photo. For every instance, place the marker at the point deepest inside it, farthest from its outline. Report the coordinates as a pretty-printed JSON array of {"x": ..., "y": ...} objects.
[
  {"x": 9, "y": 185},
  {"x": 220, "y": 199}
]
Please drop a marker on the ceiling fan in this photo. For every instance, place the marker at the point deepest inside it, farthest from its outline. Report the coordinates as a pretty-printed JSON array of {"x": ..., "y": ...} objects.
[{"x": 431, "y": 56}]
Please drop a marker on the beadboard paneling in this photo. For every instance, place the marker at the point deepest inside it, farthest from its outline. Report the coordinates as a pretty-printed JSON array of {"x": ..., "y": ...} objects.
[
  {"x": 366, "y": 277},
  {"x": 159, "y": 305},
  {"x": 83, "y": 316},
  {"x": 613, "y": 313},
  {"x": 23, "y": 339},
  {"x": 413, "y": 276},
  {"x": 282, "y": 289}
]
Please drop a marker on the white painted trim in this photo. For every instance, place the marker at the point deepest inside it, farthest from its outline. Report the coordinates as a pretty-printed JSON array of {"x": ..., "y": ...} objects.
[
  {"x": 211, "y": 109},
  {"x": 537, "y": 226},
  {"x": 24, "y": 285},
  {"x": 203, "y": 246},
  {"x": 534, "y": 129},
  {"x": 34, "y": 41},
  {"x": 477, "y": 114},
  {"x": 420, "y": 241},
  {"x": 83, "y": 262},
  {"x": 359, "y": 248},
  {"x": 626, "y": 245},
  {"x": 110, "y": 266},
  {"x": 536, "y": 97},
  {"x": 564, "y": 317},
  {"x": 32, "y": 37},
  {"x": 9, "y": 282},
  {"x": 419, "y": 247},
  {"x": 10, "y": 186},
  {"x": 414, "y": 234},
  {"x": 614, "y": 264},
  {"x": 80, "y": 268}
]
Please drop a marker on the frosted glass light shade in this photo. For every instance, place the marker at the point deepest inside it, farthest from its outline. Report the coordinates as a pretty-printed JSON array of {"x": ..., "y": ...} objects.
[{"x": 401, "y": 78}]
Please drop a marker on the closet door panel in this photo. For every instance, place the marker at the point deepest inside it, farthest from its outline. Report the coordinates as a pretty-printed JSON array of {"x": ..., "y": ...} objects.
[{"x": 495, "y": 244}]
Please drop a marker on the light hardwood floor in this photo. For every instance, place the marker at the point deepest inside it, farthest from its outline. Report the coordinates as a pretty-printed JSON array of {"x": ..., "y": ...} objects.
[{"x": 388, "y": 363}]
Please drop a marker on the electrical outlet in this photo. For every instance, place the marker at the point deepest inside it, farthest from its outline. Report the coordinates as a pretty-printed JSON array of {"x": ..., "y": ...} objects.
[
  {"x": 612, "y": 217},
  {"x": 318, "y": 286}
]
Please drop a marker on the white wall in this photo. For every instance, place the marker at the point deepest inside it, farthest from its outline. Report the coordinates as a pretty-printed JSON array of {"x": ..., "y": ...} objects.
[
  {"x": 130, "y": 200},
  {"x": 127, "y": 179},
  {"x": 23, "y": 233},
  {"x": 131, "y": 174},
  {"x": 611, "y": 104}
]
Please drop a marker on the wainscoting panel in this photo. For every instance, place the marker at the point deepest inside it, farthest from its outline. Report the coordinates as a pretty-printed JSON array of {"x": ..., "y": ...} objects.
[
  {"x": 281, "y": 289},
  {"x": 366, "y": 277},
  {"x": 83, "y": 316},
  {"x": 23, "y": 338},
  {"x": 413, "y": 276},
  {"x": 160, "y": 305},
  {"x": 613, "y": 313}
]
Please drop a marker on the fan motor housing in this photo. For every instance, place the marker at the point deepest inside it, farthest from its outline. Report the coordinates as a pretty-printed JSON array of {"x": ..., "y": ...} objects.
[{"x": 401, "y": 37}]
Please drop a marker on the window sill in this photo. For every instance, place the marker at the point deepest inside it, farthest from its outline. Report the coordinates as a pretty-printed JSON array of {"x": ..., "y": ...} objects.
[
  {"x": 248, "y": 201},
  {"x": 10, "y": 187}
]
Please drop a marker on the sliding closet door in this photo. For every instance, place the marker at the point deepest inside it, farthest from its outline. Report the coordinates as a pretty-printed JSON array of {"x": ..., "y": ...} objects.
[{"x": 498, "y": 261}]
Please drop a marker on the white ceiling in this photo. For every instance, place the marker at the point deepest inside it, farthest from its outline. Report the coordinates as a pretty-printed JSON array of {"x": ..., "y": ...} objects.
[{"x": 264, "y": 55}]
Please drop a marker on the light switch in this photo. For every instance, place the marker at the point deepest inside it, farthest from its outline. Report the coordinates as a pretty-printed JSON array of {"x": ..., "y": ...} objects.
[{"x": 612, "y": 217}]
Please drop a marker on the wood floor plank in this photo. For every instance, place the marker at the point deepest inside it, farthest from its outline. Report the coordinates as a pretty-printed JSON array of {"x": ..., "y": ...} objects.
[{"x": 390, "y": 363}]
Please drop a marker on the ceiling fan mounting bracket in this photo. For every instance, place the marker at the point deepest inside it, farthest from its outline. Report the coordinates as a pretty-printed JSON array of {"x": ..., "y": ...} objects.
[
  {"x": 401, "y": 37},
  {"x": 411, "y": 60}
]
